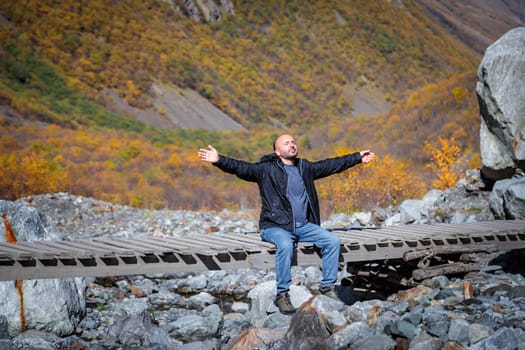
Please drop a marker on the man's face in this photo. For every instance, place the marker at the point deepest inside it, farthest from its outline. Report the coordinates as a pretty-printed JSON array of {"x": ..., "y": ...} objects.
[{"x": 286, "y": 147}]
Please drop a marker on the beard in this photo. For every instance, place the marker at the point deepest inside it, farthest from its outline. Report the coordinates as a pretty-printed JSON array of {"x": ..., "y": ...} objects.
[{"x": 289, "y": 155}]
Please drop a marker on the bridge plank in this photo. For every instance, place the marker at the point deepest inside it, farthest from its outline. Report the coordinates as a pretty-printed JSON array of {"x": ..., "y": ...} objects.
[
  {"x": 128, "y": 244},
  {"x": 20, "y": 250},
  {"x": 214, "y": 245},
  {"x": 81, "y": 248},
  {"x": 231, "y": 242}
]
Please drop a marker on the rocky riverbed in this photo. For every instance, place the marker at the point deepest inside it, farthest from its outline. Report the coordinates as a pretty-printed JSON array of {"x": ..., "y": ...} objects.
[{"x": 234, "y": 309}]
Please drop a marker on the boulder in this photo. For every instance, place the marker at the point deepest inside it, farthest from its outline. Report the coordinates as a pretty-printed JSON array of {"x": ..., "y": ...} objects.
[
  {"x": 501, "y": 96},
  {"x": 507, "y": 199},
  {"x": 50, "y": 305},
  {"x": 137, "y": 330},
  {"x": 308, "y": 329}
]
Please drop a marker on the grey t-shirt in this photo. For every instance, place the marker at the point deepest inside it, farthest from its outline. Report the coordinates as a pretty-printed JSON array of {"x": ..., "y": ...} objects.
[{"x": 296, "y": 193}]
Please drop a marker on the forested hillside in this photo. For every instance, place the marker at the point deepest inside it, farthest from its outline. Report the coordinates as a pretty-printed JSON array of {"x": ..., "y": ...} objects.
[{"x": 273, "y": 66}]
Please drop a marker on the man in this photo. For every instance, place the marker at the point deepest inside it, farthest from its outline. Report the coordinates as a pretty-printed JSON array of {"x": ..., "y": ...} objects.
[{"x": 290, "y": 207}]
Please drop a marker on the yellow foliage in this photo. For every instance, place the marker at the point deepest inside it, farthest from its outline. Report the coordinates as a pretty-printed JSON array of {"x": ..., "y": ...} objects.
[
  {"x": 31, "y": 173},
  {"x": 385, "y": 181},
  {"x": 445, "y": 162},
  {"x": 459, "y": 94}
]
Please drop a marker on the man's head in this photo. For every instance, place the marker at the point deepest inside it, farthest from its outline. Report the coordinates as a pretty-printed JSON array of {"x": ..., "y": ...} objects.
[{"x": 285, "y": 147}]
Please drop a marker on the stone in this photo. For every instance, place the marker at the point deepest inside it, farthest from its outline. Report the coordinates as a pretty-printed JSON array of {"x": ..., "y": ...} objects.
[
  {"x": 458, "y": 331},
  {"x": 501, "y": 95},
  {"x": 35, "y": 339},
  {"x": 506, "y": 339},
  {"x": 53, "y": 305},
  {"x": 195, "y": 328},
  {"x": 507, "y": 199},
  {"x": 374, "y": 341},
  {"x": 349, "y": 334},
  {"x": 424, "y": 341},
  {"x": 255, "y": 338},
  {"x": 4, "y": 333},
  {"x": 136, "y": 330},
  {"x": 477, "y": 332},
  {"x": 411, "y": 210},
  {"x": 437, "y": 324},
  {"x": 308, "y": 330},
  {"x": 404, "y": 328}
]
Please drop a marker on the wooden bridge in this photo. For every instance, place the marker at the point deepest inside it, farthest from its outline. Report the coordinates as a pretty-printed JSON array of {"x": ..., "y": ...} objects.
[{"x": 201, "y": 252}]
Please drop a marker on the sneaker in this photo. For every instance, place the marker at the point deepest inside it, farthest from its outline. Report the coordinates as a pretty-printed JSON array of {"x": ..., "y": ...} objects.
[
  {"x": 283, "y": 302},
  {"x": 330, "y": 292}
]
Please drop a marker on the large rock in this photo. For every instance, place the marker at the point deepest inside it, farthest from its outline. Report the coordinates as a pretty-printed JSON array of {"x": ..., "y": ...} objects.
[
  {"x": 51, "y": 305},
  {"x": 501, "y": 97},
  {"x": 507, "y": 199}
]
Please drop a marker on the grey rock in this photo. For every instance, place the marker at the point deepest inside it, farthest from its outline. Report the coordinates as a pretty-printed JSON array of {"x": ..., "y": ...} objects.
[
  {"x": 501, "y": 91},
  {"x": 28, "y": 223},
  {"x": 196, "y": 283},
  {"x": 130, "y": 306},
  {"x": 308, "y": 330},
  {"x": 437, "y": 324},
  {"x": 136, "y": 330},
  {"x": 195, "y": 328},
  {"x": 201, "y": 300},
  {"x": 349, "y": 334},
  {"x": 404, "y": 328},
  {"x": 52, "y": 305},
  {"x": 7, "y": 344},
  {"x": 240, "y": 307},
  {"x": 503, "y": 339},
  {"x": 374, "y": 341},
  {"x": 458, "y": 331},
  {"x": 34, "y": 339},
  {"x": 385, "y": 322},
  {"x": 400, "y": 307},
  {"x": 234, "y": 324},
  {"x": 437, "y": 282},
  {"x": 209, "y": 344},
  {"x": 517, "y": 292},
  {"x": 359, "y": 311},
  {"x": 4, "y": 332},
  {"x": 277, "y": 320},
  {"x": 431, "y": 197},
  {"x": 424, "y": 341},
  {"x": 507, "y": 199},
  {"x": 411, "y": 210},
  {"x": 477, "y": 332},
  {"x": 329, "y": 310}
]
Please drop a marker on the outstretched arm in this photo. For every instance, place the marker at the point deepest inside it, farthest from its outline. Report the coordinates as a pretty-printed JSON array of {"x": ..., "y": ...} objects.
[
  {"x": 209, "y": 155},
  {"x": 367, "y": 156},
  {"x": 243, "y": 170}
]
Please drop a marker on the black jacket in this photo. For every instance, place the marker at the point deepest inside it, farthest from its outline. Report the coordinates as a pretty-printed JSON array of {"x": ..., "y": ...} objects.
[{"x": 272, "y": 179}]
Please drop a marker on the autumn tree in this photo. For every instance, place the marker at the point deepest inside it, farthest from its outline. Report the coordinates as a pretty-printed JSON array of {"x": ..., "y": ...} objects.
[
  {"x": 383, "y": 182},
  {"x": 445, "y": 162}
]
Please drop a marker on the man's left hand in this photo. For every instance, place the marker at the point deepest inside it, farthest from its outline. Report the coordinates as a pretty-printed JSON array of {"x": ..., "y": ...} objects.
[{"x": 367, "y": 156}]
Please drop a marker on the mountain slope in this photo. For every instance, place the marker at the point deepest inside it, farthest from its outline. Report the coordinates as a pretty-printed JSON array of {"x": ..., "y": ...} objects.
[
  {"x": 477, "y": 23},
  {"x": 292, "y": 61},
  {"x": 78, "y": 82}
]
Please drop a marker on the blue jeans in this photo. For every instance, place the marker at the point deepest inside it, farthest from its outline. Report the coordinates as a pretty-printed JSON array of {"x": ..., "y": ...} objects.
[{"x": 284, "y": 241}]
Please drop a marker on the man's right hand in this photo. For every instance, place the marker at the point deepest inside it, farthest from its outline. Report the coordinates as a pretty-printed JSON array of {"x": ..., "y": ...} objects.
[{"x": 209, "y": 155}]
